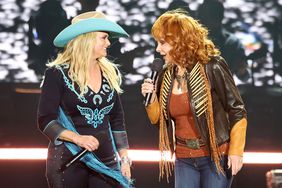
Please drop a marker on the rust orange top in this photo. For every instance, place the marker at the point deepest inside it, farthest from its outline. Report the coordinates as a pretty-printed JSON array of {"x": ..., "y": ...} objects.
[{"x": 185, "y": 127}]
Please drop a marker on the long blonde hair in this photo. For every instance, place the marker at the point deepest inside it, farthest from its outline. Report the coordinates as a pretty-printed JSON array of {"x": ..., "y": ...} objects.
[
  {"x": 78, "y": 54},
  {"x": 188, "y": 38}
]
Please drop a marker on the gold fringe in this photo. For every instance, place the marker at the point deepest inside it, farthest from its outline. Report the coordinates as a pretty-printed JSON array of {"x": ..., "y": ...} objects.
[
  {"x": 165, "y": 166},
  {"x": 198, "y": 90},
  {"x": 215, "y": 154}
]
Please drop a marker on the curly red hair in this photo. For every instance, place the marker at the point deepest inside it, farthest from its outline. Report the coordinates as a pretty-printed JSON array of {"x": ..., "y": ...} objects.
[{"x": 188, "y": 38}]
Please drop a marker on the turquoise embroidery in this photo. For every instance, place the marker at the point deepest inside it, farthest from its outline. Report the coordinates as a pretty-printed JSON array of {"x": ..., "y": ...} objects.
[
  {"x": 97, "y": 97},
  {"x": 95, "y": 117},
  {"x": 64, "y": 65},
  {"x": 90, "y": 159},
  {"x": 110, "y": 97},
  {"x": 70, "y": 86},
  {"x": 106, "y": 88}
]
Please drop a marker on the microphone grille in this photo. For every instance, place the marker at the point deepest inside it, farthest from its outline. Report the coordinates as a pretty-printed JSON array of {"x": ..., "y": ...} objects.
[{"x": 157, "y": 64}]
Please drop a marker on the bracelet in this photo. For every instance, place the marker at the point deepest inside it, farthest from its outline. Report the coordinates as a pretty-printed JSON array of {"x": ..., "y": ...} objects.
[{"x": 126, "y": 160}]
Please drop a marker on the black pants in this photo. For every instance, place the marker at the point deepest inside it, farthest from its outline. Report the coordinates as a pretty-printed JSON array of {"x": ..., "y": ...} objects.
[{"x": 78, "y": 175}]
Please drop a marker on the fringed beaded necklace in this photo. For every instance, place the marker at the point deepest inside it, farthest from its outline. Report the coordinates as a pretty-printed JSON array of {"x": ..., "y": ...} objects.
[{"x": 181, "y": 80}]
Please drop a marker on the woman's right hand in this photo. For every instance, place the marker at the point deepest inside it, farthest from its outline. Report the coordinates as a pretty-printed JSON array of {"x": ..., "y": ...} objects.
[
  {"x": 87, "y": 141},
  {"x": 148, "y": 87}
]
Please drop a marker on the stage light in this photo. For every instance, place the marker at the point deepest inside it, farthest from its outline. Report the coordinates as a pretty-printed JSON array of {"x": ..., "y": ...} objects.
[
  {"x": 148, "y": 155},
  {"x": 23, "y": 153},
  {"x": 135, "y": 155},
  {"x": 262, "y": 158}
]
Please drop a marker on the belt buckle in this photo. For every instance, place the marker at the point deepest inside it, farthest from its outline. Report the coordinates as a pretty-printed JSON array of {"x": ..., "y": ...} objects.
[{"x": 193, "y": 143}]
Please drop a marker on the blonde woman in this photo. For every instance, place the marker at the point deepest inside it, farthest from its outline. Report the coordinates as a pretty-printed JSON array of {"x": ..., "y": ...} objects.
[
  {"x": 198, "y": 108},
  {"x": 80, "y": 108}
]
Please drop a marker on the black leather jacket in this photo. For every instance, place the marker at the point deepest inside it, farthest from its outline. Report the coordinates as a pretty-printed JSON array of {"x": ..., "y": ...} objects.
[{"x": 228, "y": 107}]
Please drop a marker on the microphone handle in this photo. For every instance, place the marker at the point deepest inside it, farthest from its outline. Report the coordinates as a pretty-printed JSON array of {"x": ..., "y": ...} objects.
[
  {"x": 77, "y": 157},
  {"x": 148, "y": 96}
]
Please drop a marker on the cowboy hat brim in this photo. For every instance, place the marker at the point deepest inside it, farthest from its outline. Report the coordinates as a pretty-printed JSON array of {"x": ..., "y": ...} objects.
[{"x": 86, "y": 26}]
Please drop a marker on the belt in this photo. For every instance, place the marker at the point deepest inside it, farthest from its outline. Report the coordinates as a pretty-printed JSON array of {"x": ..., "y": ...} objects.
[{"x": 190, "y": 143}]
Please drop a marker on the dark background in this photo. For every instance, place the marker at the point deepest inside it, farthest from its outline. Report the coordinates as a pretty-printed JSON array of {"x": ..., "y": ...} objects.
[{"x": 19, "y": 84}]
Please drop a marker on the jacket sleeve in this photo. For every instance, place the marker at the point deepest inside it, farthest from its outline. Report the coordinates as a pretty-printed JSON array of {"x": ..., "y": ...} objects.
[
  {"x": 118, "y": 125},
  {"x": 238, "y": 138},
  {"x": 223, "y": 84},
  {"x": 47, "y": 114},
  {"x": 225, "y": 88},
  {"x": 153, "y": 111}
]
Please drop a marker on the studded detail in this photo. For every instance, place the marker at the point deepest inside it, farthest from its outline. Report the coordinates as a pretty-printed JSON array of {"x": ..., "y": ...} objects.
[{"x": 198, "y": 90}]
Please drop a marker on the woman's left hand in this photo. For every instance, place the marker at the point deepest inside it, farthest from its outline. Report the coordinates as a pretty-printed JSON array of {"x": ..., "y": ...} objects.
[
  {"x": 235, "y": 162},
  {"x": 125, "y": 170}
]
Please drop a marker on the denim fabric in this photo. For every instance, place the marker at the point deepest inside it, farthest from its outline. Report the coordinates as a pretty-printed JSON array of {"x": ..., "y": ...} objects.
[{"x": 200, "y": 172}]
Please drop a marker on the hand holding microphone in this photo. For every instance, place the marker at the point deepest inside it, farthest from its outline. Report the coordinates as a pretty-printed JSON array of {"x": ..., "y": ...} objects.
[
  {"x": 148, "y": 86},
  {"x": 88, "y": 142}
]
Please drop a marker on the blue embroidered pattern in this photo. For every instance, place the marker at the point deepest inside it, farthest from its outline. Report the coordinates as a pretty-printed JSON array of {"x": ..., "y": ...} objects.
[
  {"x": 89, "y": 158},
  {"x": 95, "y": 117},
  {"x": 70, "y": 86},
  {"x": 110, "y": 97},
  {"x": 106, "y": 87},
  {"x": 97, "y": 99}
]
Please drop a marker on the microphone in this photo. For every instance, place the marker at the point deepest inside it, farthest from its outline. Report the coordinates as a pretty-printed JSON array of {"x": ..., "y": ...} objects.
[
  {"x": 100, "y": 136},
  {"x": 77, "y": 157},
  {"x": 157, "y": 65}
]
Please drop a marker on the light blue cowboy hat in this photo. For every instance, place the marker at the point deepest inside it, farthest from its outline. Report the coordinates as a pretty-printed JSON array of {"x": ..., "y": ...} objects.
[{"x": 89, "y": 22}]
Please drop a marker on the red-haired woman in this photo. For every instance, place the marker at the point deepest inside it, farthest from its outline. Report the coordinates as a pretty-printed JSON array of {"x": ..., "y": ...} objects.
[{"x": 196, "y": 104}]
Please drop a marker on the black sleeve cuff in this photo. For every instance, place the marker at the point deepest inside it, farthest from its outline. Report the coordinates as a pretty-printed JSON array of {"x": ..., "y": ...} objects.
[
  {"x": 121, "y": 140},
  {"x": 53, "y": 130}
]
